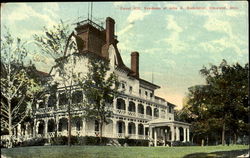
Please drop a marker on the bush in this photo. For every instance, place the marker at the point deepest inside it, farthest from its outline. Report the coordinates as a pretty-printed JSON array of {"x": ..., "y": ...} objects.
[
  {"x": 62, "y": 140},
  {"x": 180, "y": 143},
  {"x": 134, "y": 142},
  {"x": 87, "y": 140},
  {"x": 33, "y": 142},
  {"x": 3, "y": 143}
]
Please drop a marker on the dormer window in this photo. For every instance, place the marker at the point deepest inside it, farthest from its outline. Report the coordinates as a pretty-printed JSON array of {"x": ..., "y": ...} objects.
[
  {"x": 151, "y": 95},
  {"x": 130, "y": 89}
]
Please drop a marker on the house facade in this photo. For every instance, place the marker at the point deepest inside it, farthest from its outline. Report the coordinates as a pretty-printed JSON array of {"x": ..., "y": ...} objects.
[{"x": 137, "y": 112}]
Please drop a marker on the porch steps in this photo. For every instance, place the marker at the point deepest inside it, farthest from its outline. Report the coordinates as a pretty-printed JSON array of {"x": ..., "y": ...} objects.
[{"x": 113, "y": 142}]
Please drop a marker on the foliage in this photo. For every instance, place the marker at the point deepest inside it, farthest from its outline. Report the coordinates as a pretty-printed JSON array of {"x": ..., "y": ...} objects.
[
  {"x": 79, "y": 140},
  {"x": 18, "y": 90},
  {"x": 54, "y": 41},
  {"x": 100, "y": 88},
  {"x": 134, "y": 142},
  {"x": 221, "y": 104},
  {"x": 34, "y": 142},
  {"x": 60, "y": 44}
]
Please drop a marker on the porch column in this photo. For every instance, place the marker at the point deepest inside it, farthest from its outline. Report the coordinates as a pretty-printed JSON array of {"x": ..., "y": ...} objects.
[
  {"x": 136, "y": 130},
  {"x": 159, "y": 112},
  {"x": 45, "y": 127},
  {"x": 188, "y": 134},
  {"x": 114, "y": 129},
  {"x": 150, "y": 132},
  {"x": 57, "y": 100},
  {"x": 153, "y": 112},
  {"x": 26, "y": 130},
  {"x": 172, "y": 133},
  {"x": 136, "y": 108},
  {"x": 155, "y": 139},
  {"x": 83, "y": 127},
  {"x": 126, "y": 128},
  {"x": 184, "y": 134},
  {"x": 145, "y": 110},
  {"x": 126, "y": 106},
  {"x": 177, "y": 134},
  {"x": 114, "y": 103},
  {"x": 144, "y": 132},
  {"x": 18, "y": 132},
  {"x": 36, "y": 124},
  {"x": 164, "y": 136}
]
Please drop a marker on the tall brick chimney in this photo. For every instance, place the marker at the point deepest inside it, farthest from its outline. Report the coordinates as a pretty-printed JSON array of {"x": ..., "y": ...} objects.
[
  {"x": 110, "y": 30},
  {"x": 135, "y": 63}
]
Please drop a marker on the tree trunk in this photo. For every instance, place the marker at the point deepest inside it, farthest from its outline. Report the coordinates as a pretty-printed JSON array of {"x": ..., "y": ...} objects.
[
  {"x": 202, "y": 142},
  {"x": 235, "y": 138},
  {"x": 223, "y": 133},
  {"x": 100, "y": 135},
  {"x": 69, "y": 127},
  {"x": 207, "y": 140},
  {"x": 10, "y": 125}
]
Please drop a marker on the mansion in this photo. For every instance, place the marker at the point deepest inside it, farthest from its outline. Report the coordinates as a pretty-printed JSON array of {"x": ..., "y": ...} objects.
[{"x": 137, "y": 112}]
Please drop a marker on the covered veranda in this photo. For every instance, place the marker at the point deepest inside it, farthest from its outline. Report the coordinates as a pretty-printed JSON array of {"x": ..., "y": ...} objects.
[{"x": 162, "y": 131}]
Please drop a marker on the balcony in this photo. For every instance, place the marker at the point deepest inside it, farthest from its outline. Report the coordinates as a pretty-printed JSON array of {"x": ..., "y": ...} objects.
[
  {"x": 140, "y": 115},
  {"x": 149, "y": 117},
  {"x": 131, "y": 113},
  {"x": 120, "y": 111}
]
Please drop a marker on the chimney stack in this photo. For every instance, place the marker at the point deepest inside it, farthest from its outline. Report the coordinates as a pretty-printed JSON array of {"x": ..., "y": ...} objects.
[
  {"x": 110, "y": 30},
  {"x": 135, "y": 63}
]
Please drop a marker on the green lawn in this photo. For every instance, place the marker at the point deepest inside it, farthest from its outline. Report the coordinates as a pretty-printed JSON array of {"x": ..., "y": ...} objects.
[{"x": 123, "y": 152}]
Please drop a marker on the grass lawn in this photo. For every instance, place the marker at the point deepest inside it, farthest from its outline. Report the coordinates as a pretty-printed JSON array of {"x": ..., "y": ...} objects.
[{"x": 124, "y": 152}]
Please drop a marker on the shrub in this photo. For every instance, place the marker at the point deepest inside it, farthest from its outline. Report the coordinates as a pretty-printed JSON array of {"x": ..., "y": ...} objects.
[
  {"x": 180, "y": 143},
  {"x": 33, "y": 142},
  {"x": 62, "y": 140},
  {"x": 75, "y": 140},
  {"x": 133, "y": 142}
]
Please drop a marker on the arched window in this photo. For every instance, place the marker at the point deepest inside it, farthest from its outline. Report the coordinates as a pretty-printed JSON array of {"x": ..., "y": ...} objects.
[
  {"x": 120, "y": 104},
  {"x": 140, "y": 109},
  {"x": 149, "y": 111},
  {"x": 131, "y": 106}
]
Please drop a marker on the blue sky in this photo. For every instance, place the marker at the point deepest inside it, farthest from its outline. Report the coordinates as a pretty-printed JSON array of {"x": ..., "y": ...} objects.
[{"x": 173, "y": 44}]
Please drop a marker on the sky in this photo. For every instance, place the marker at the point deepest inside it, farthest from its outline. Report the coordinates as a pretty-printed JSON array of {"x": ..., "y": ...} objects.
[{"x": 174, "y": 39}]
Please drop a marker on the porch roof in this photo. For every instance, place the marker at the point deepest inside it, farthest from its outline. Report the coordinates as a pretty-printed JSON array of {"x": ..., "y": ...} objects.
[{"x": 164, "y": 122}]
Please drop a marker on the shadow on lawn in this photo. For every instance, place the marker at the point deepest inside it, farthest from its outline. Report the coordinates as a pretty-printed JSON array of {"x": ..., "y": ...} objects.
[{"x": 218, "y": 154}]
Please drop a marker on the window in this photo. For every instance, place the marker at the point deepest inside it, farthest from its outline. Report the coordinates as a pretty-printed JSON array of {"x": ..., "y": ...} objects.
[
  {"x": 77, "y": 97},
  {"x": 62, "y": 99},
  {"x": 130, "y": 89},
  {"x": 170, "y": 109},
  {"x": 151, "y": 95},
  {"x": 140, "y": 91},
  {"x": 146, "y": 93},
  {"x": 52, "y": 100}
]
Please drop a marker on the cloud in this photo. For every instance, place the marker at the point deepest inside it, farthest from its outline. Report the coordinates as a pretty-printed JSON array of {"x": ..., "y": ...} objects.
[
  {"x": 135, "y": 15},
  {"x": 16, "y": 13},
  {"x": 174, "y": 42}
]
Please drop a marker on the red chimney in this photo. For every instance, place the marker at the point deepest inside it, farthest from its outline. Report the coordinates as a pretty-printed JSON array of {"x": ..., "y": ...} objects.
[
  {"x": 135, "y": 63},
  {"x": 110, "y": 30}
]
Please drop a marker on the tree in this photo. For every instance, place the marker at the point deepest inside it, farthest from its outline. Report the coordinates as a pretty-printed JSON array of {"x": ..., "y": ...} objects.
[
  {"x": 100, "y": 88},
  {"x": 61, "y": 45},
  {"x": 223, "y": 98},
  {"x": 18, "y": 90}
]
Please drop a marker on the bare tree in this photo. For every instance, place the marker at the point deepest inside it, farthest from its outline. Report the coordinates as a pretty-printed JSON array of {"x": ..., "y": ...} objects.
[{"x": 17, "y": 88}]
